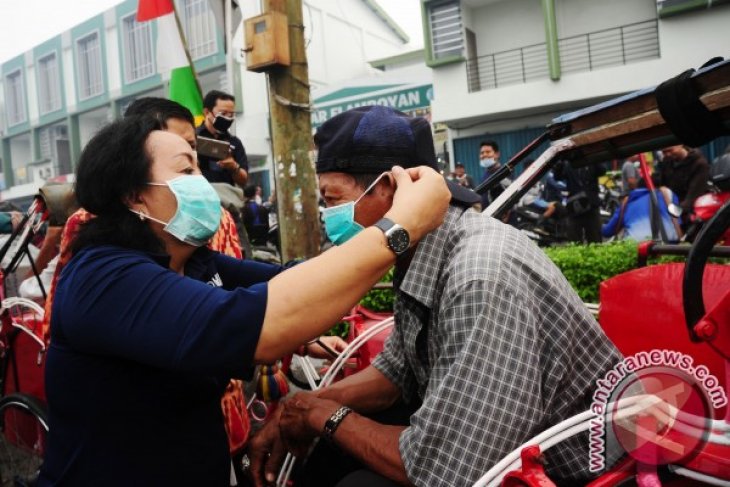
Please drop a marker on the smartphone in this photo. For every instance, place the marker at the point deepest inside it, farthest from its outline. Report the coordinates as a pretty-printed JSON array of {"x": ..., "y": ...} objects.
[{"x": 217, "y": 149}]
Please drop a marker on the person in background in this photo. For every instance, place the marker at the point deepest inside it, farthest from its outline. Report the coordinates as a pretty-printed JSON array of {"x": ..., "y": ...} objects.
[
  {"x": 489, "y": 160},
  {"x": 630, "y": 174},
  {"x": 553, "y": 188},
  {"x": 583, "y": 203},
  {"x": 219, "y": 109},
  {"x": 632, "y": 219},
  {"x": 255, "y": 217},
  {"x": 685, "y": 171},
  {"x": 460, "y": 177}
]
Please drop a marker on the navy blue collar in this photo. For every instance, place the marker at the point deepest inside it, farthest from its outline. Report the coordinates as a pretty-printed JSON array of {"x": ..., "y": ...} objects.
[{"x": 198, "y": 267}]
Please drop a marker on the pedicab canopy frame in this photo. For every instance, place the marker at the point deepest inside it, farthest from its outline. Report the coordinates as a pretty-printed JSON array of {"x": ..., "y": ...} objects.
[{"x": 692, "y": 108}]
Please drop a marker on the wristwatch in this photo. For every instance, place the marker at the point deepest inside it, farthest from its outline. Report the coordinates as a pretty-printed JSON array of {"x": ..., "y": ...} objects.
[{"x": 397, "y": 236}]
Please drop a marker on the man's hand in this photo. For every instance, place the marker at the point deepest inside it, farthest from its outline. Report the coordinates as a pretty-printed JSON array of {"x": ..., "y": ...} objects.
[
  {"x": 334, "y": 343},
  {"x": 266, "y": 453},
  {"x": 302, "y": 420},
  {"x": 229, "y": 164}
]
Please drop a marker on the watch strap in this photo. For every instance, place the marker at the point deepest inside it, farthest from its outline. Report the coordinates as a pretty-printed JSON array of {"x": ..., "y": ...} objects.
[
  {"x": 384, "y": 224},
  {"x": 334, "y": 422}
]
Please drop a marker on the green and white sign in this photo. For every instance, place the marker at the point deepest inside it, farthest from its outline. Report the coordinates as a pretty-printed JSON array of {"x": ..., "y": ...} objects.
[{"x": 406, "y": 98}]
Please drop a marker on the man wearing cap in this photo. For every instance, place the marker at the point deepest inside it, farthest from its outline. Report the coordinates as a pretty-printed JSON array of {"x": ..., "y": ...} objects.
[{"x": 490, "y": 344}]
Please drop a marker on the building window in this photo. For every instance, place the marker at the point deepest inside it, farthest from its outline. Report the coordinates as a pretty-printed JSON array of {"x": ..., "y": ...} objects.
[
  {"x": 88, "y": 59},
  {"x": 49, "y": 86},
  {"x": 138, "y": 59},
  {"x": 447, "y": 37},
  {"x": 15, "y": 98},
  {"x": 199, "y": 26}
]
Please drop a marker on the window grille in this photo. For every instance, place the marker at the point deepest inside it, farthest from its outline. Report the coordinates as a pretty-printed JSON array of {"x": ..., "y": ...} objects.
[
  {"x": 138, "y": 57},
  {"x": 88, "y": 58}
]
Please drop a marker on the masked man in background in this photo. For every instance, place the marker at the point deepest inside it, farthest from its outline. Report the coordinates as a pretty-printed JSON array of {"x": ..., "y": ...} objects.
[{"x": 219, "y": 111}]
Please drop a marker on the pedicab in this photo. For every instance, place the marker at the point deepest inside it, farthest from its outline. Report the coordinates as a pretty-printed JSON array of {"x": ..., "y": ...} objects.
[
  {"x": 23, "y": 412},
  {"x": 681, "y": 309},
  {"x": 674, "y": 308}
]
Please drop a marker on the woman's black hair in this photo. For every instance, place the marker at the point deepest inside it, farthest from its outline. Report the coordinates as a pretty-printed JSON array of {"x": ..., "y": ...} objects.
[{"x": 113, "y": 168}]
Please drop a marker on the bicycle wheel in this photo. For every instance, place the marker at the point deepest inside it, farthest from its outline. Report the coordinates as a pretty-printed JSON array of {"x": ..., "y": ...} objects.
[{"x": 23, "y": 436}]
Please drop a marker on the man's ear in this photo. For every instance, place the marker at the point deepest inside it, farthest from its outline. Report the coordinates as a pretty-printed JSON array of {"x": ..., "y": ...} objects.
[{"x": 389, "y": 185}]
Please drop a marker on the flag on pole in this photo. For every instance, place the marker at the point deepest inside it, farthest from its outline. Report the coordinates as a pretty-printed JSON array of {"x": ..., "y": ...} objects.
[{"x": 172, "y": 59}]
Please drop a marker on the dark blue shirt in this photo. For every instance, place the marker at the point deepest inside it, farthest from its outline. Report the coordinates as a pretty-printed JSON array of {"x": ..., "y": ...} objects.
[
  {"x": 209, "y": 165},
  {"x": 139, "y": 359}
]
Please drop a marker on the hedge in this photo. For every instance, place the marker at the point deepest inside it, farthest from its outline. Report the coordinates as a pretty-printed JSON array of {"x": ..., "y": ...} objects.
[{"x": 585, "y": 267}]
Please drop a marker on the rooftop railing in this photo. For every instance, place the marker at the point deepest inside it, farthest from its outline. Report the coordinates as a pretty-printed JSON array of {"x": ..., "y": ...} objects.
[{"x": 586, "y": 52}]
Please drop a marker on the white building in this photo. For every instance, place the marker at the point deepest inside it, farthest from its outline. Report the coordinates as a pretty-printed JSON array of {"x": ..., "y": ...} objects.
[
  {"x": 502, "y": 69},
  {"x": 55, "y": 96}
]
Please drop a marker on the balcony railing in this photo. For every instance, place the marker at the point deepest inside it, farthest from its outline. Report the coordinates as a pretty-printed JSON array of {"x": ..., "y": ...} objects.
[{"x": 585, "y": 52}]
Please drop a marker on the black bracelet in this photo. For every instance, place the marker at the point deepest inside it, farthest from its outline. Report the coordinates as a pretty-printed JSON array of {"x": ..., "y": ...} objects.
[{"x": 334, "y": 422}]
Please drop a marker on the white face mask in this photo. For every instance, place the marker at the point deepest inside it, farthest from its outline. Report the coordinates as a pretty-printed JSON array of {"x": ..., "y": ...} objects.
[
  {"x": 339, "y": 221},
  {"x": 487, "y": 163},
  {"x": 198, "y": 212}
]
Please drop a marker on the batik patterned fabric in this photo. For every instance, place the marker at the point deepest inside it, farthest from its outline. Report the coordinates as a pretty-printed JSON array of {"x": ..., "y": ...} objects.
[{"x": 225, "y": 241}]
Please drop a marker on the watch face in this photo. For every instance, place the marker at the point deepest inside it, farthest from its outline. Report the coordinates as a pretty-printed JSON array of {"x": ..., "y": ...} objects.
[{"x": 399, "y": 241}]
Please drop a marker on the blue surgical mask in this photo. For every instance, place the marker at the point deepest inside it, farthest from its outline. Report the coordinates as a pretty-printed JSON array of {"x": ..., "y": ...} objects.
[
  {"x": 339, "y": 221},
  {"x": 198, "y": 214},
  {"x": 487, "y": 163}
]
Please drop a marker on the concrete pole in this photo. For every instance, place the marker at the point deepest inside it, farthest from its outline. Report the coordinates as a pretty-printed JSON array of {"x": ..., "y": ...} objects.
[{"x": 291, "y": 138}]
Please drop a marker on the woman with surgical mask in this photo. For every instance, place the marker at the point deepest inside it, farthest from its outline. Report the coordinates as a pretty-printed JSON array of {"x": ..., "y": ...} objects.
[{"x": 148, "y": 324}]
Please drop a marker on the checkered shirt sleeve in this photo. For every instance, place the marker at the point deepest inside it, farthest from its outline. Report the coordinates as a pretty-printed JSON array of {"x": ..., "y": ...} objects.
[{"x": 392, "y": 364}]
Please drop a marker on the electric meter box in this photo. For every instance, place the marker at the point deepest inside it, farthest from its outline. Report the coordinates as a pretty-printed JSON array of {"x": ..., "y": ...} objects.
[{"x": 267, "y": 41}]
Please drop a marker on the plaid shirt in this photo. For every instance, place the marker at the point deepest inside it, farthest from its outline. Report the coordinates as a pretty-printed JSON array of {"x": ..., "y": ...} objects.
[{"x": 492, "y": 339}]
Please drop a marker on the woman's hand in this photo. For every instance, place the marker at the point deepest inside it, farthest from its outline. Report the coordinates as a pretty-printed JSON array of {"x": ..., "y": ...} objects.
[{"x": 420, "y": 201}]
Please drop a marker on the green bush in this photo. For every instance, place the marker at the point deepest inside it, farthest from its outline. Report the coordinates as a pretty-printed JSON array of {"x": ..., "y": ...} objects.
[
  {"x": 380, "y": 299},
  {"x": 375, "y": 300},
  {"x": 585, "y": 266}
]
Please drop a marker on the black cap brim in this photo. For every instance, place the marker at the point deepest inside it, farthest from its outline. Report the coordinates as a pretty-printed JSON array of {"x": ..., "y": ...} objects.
[{"x": 460, "y": 194}]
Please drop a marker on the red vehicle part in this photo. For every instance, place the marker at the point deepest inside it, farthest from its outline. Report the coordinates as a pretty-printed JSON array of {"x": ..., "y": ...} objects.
[
  {"x": 360, "y": 320},
  {"x": 532, "y": 473},
  {"x": 627, "y": 298},
  {"x": 707, "y": 205},
  {"x": 22, "y": 354}
]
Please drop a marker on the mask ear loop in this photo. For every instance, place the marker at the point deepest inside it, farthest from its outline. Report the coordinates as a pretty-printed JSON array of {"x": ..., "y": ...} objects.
[{"x": 372, "y": 185}]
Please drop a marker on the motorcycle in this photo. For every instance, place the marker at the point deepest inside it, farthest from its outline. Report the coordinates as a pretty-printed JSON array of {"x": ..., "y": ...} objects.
[
  {"x": 528, "y": 218},
  {"x": 708, "y": 204},
  {"x": 609, "y": 192}
]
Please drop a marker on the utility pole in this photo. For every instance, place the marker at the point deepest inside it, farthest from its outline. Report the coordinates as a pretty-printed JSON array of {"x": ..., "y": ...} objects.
[{"x": 291, "y": 139}]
